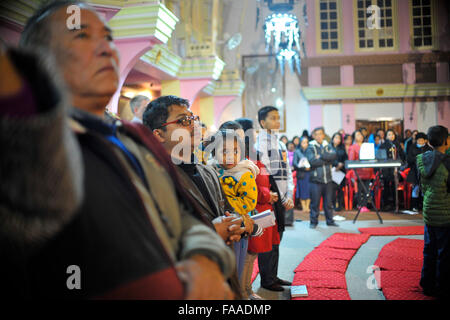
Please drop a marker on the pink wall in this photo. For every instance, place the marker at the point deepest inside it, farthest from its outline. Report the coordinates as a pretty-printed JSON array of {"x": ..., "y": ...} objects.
[
  {"x": 315, "y": 116},
  {"x": 189, "y": 88},
  {"x": 444, "y": 113},
  {"x": 220, "y": 103},
  {"x": 348, "y": 117}
]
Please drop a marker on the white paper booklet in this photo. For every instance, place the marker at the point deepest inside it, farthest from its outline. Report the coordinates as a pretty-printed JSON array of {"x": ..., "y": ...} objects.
[
  {"x": 337, "y": 176},
  {"x": 304, "y": 163},
  {"x": 299, "y": 291},
  {"x": 264, "y": 219}
]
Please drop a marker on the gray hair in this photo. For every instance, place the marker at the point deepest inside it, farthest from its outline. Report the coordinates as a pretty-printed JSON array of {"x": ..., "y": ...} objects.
[
  {"x": 136, "y": 101},
  {"x": 38, "y": 29}
]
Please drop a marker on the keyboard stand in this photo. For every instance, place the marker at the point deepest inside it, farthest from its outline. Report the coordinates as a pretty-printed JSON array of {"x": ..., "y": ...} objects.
[{"x": 366, "y": 198}]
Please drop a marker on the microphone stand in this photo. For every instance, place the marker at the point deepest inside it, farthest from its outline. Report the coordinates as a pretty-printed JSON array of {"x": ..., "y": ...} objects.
[{"x": 394, "y": 157}]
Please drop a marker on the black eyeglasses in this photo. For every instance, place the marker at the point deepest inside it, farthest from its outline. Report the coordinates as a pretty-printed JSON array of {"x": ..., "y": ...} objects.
[{"x": 185, "y": 121}]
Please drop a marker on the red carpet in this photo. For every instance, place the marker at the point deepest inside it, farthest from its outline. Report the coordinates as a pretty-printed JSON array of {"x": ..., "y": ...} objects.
[
  {"x": 392, "y": 231},
  {"x": 323, "y": 269},
  {"x": 400, "y": 264}
]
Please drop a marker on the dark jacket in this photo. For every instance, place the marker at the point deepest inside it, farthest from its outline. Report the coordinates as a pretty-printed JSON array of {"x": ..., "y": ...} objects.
[
  {"x": 127, "y": 232},
  {"x": 321, "y": 158},
  {"x": 298, "y": 155},
  {"x": 341, "y": 156},
  {"x": 393, "y": 150},
  {"x": 413, "y": 152},
  {"x": 434, "y": 168}
]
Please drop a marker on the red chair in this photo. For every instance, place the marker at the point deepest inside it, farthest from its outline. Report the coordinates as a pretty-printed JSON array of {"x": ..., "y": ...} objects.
[
  {"x": 406, "y": 187},
  {"x": 351, "y": 188}
]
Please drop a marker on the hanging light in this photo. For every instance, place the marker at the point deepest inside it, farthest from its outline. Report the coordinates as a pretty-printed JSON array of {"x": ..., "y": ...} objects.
[
  {"x": 291, "y": 57},
  {"x": 282, "y": 35}
]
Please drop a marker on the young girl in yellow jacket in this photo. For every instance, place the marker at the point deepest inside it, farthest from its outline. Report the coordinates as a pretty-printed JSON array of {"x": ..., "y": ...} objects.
[{"x": 237, "y": 177}]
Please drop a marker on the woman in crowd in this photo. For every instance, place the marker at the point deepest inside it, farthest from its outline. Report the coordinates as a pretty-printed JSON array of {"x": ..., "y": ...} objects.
[
  {"x": 365, "y": 174},
  {"x": 284, "y": 139},
  {"x": 290, "y": 150},
  {"x": 348, "y": 141},
  {"x": 301, "y": 166},
  {"x": 296, "y": 141},
  {"x": 395, "y": 152},
  {"x": 339, "y": 165}
]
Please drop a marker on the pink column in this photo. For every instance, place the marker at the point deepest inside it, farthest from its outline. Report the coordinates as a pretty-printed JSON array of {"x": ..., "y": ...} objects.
[
  {"x": 348, "y": 34},
  {"x": 348, "y": 117},
  {"x": 347, "y": 76},
  {"x": 444, "y": 113},
  {"x": 189, "y": 88},
  {"x": 220, "y": 103},
  {"x": 410, "y": 115},
  {"x": 314, "y": 77},
  {"x": 315, "y": 116},
  {"x": 442, "y": 75},
  {"x": 130, "y": 50},
  {"x": 311, "y": 29},
  {"x": 409, "y": 73},
  {"x": 404, "y": 32}
]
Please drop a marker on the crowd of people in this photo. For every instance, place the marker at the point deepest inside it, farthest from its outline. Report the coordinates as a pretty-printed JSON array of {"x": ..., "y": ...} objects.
[
  {"x": 347, "y": 147},
  {"x": 94, "y": 207}
]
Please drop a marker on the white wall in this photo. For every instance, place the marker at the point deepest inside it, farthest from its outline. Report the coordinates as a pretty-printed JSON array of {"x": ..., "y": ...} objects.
[
  {"x": 426, "y": 113},
  {"x": 332, "y": 118},
  {"x": 373, "y": 111}
]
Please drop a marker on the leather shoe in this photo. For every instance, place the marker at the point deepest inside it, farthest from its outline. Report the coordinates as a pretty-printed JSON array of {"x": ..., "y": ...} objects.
[
  {"x": 313, "y": 226},
  {"x": 283, "y": 282},
  {"x": 333, "y": 224},
  {"x": 274, "y": 287}
]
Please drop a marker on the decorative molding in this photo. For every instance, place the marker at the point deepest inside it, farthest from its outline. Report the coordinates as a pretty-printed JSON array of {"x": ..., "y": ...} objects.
[
  {"x": 161, "y": 57},
  {"x": 380, "y": 100},
  {"x": 376, "y": 59},
  {"x": 151, "y": 19},
  {"x": 201, "y": 67},
  {"x": 18, "y": 11},
  {"x": 377, "y": 92}
]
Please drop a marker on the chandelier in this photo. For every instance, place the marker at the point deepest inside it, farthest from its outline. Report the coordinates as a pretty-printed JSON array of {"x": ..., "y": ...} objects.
[{"x": 283, "y": 36}]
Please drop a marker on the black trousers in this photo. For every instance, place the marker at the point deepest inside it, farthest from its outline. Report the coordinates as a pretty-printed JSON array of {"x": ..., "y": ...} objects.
[
  {"x": 268, "y": 265},
  {"x": 317, "y": 191}
]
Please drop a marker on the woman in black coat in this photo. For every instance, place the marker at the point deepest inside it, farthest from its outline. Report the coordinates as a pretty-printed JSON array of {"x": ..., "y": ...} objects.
[
  {"x": 395, "y": 152},
  {"x": 303, "y": 173},
  {"x": 339, "y": 164}
]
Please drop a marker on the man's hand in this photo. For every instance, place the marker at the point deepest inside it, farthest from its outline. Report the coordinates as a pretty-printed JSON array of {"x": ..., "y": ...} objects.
[
  {"x": 288, "y": 204},
  {"x": 225, "y": 227},
  {"x": 203, "y": 279},
  {"x": 273, "y": 197}
]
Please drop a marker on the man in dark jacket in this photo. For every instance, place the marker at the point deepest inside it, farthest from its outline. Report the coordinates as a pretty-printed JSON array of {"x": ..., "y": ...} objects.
[
  {"x": 421, "y": 146},
  {"x": 321, "y": 157},
  {"x": 133, "y": 236},
  {"x": 434, "y": 172}
]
